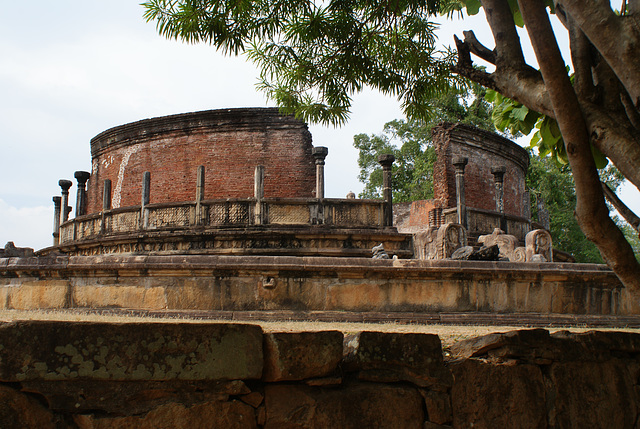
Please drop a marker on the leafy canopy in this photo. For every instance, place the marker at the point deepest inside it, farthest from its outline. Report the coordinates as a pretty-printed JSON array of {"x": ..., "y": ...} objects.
[{"x": 314, "y": 55}]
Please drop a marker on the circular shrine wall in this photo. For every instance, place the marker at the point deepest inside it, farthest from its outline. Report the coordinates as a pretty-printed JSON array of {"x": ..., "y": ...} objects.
[
  {"x": 485, "y": 151},
  {"x": 229, "y": 143}
]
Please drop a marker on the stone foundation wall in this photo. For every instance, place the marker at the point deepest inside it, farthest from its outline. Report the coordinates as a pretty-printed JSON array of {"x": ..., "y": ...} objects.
[
  {"x": 230, "y": 143},
  {"x": 168, "y": 375},
  {"x": 209, "y": 282}
]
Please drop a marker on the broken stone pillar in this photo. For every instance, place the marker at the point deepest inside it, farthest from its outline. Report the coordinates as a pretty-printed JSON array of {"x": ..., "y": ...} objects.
[
  {"x": 258, "y": 193},
  {"x": 526, "y": 205},
  {"x": 459, "y": 164},
  {"x": 199, "y": 194},
  {"x": 319, "y": 154},
  {"x": 106, "y": 195},
  {"x": 539, "y": 246},
  {"x": 81, "y": 196},
  {"x": 543, "y": 213},
  {"x": 498, "y": 179},
  {"x": 386, "y": 161},
  {"x": 145, "y": 198},
  {"x": 65, "y": 209},
  {"x": 56, "y": 220}
]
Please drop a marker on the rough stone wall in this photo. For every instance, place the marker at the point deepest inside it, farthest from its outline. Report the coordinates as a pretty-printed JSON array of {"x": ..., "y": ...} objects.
[
  {"x": 230, "y": 283},
  {"x": 97, "y": 375},
  {"x": 229, "y": 143},
  {"x": 485, "y": 151}
]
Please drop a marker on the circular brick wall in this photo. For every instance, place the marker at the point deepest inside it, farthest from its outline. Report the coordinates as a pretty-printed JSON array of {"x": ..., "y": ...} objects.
[
  {"x": 230, "y": 143},
  {"x": 484, "y": 150}
]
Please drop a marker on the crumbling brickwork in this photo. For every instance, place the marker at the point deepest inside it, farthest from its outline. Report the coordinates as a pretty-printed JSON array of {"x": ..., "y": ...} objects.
[
  {"x": 485, "y": 151},
  {"x": 229, "y": 143}
]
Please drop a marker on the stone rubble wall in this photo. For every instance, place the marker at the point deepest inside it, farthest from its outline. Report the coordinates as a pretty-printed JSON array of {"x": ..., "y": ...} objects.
[{"x": 87, "y": 375}]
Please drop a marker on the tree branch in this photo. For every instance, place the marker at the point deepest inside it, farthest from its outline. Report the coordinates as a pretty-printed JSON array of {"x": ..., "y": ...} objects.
[
  {"x": 617, "y": 38},
  {"x": 621, "y": 207}
]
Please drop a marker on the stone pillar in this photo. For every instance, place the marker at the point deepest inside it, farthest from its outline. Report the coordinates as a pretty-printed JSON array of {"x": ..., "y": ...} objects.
[
  {"x": 459, "y": 164},
  {"x": 65, "y": 209},
  {"x": 106, "y": 195},
  {"x": 199, "y": 194},
  {"x": 319, "y": 154},
  {"x": 498, "y": 179},
  {"x": 81, "y": 196},
  {"x": 56, "y": 220},
  {"x": 386, "y": 161},
  {"x": 258, "y": 193},
  {"x": 526, "y": 205},
  {"x": 145, "y": 199}
]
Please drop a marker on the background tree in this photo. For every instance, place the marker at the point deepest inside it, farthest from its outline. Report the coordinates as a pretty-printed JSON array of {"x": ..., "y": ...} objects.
[
  {"x": 314, "y": 55},
  {"x": 410, "y": 142}
]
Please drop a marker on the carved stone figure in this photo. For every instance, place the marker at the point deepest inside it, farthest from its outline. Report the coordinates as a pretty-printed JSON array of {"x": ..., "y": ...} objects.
[
  {"x": 379, "y": 253},
  {"x": 506, "y": 243},
  {"x": 538, "y": 242},
  {"x": 451, "y": 236}
]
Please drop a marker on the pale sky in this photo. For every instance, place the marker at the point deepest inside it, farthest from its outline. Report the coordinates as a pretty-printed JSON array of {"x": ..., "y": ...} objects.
[{"x": 70, "y": 69}]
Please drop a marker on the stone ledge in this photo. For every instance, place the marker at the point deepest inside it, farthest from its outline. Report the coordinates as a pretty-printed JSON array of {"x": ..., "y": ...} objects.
[{"x": 52, "y": 351}]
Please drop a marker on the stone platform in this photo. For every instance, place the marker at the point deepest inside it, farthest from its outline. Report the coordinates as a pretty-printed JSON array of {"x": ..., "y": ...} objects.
[{"x": 269, "y": 283}]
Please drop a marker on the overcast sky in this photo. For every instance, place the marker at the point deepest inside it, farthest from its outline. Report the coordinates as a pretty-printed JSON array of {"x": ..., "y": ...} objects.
[{"x": 70, "y": 69}]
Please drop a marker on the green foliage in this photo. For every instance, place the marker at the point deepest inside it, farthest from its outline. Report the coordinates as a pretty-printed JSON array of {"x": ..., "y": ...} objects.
[
  {"x": 314, "y": 55},
  {"x": 413, "y": 168},
  {"x": 515, "y": 118},
  {"x": 410, "y": 143},
  {"x": 553, "y": 183}
]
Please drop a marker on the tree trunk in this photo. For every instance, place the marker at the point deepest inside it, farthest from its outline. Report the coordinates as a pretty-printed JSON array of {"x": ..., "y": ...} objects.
[{"x": 591, "y": 210}]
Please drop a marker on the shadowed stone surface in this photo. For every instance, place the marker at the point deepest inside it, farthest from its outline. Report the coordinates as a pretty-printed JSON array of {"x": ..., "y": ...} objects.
[
  {"x": 497, "y": 396},
  {"x": 416, "y": 358},
  {"x": 50, "y": 351},
  {"x": 18, "y": 411},
  {"x": 362, "y": 405},
  {"x": 297, "y": 356},
  {"x": 213, "y": 414}
]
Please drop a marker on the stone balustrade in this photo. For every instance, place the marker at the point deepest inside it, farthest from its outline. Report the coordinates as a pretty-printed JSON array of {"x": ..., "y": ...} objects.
[{"x": 230, "y": 213}]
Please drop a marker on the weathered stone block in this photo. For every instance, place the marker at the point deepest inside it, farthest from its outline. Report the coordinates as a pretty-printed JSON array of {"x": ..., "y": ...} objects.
[
  {"x": 592, "y": 394},
  {"x": 416, "y": 358},
  {"x": 486, "y": 395},
  {"x": 298, "y": 356},
  {"x": 19, "y": 411},
  {"x": 361, "y": 405},
  {"x": 212, "y": 414},
  {"x": 47, "y": 351}
]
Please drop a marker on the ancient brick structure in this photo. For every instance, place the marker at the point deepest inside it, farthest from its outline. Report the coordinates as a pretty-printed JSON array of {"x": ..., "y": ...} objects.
[
  {"x": 485, "y": 151},
  {"x": 229, "y": 143},
  {"x": 233, "y": 181}
]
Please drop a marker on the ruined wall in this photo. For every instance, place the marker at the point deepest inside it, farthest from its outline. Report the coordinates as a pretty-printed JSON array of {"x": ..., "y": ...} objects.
[
  {"x": 203, "y": 282},
  {"x": 229, "y": 143},
  {"x": 151, "y": 375},
  {"x": 485, "y": 150}
]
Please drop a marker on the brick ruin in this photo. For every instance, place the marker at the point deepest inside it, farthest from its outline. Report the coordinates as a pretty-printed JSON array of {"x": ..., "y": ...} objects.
[
  {"x": 251, "y": 236},
  {"x": 187, "y": 183}
]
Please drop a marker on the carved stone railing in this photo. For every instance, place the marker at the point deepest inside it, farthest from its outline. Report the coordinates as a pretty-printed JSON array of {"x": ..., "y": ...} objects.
[
  {"x": 481, "y": 222},
  {"x": 229, "y": 213}
]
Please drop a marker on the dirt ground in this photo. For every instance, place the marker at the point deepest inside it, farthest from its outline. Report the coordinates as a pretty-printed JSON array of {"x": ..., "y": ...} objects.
[{"x": 449, "y": 334}]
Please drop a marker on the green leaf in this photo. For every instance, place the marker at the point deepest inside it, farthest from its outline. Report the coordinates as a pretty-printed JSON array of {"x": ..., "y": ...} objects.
[
  {"x": 599, "y": 158},
  {"x": 473, "y": 7}
]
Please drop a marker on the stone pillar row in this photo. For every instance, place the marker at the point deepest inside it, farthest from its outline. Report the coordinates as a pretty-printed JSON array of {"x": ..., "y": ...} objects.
[{"x": 62, "y": 208}]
